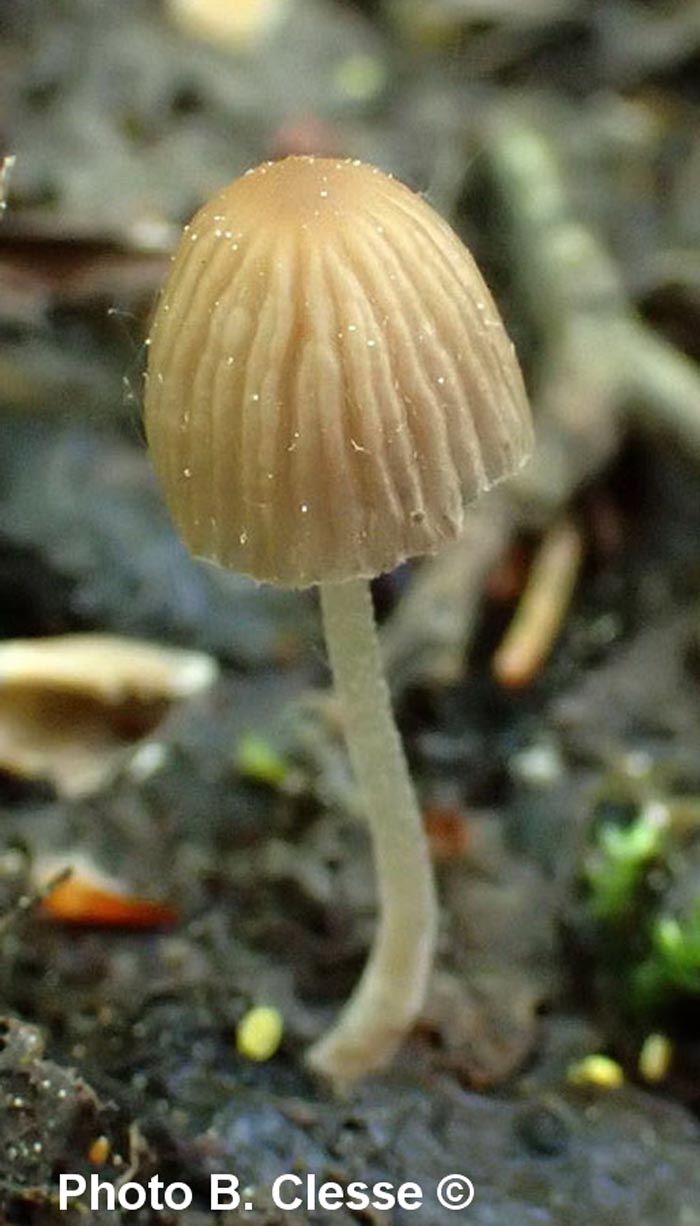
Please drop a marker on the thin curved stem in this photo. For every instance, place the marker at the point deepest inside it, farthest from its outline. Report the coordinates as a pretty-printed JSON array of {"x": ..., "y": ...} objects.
[{"x": 392, "y": 988}]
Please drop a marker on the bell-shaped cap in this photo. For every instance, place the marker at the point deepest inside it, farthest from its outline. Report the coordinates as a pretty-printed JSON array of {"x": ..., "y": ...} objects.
[{"x": 329, "y": 380}]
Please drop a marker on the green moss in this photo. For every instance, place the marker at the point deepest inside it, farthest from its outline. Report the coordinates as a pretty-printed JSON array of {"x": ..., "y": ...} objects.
[
  {"x": 673, "y": 965},
  {"x": 616, "y": 867}
]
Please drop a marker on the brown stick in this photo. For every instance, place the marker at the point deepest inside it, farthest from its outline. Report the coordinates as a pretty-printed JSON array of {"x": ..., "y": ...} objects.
[{"x": 543, "y": 607}]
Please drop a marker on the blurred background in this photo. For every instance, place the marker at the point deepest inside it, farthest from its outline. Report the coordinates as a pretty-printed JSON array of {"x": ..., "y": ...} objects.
[{"x": 179, "y": 839}]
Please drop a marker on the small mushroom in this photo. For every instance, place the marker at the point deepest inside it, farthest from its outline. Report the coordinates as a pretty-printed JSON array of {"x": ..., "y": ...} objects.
[{"x": 329, "y": 385}]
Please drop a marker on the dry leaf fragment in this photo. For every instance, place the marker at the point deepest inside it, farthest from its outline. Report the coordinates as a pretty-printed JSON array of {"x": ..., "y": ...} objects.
[
  {"x": 88, "y": 896},
  {"x": 72, "y": 706}
]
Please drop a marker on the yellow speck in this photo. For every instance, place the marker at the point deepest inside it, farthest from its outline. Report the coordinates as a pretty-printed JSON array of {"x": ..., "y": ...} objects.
[
  {"x": 655, "y": 1058},
  {"x": 255, "y": 758},
  {"x": 360, "y": 77},
  {"x": 259, "y": 1033},
  {"x": 596, "y": 1071},
  {"x": 99, "y": 1151}
]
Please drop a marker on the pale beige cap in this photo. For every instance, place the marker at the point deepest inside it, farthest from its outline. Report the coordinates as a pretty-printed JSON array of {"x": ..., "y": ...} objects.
[{"x": 329, "y": 380}]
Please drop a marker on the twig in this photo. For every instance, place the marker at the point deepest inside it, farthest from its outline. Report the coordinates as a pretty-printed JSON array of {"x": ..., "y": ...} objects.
[
  {"x": 138, "y": 1151},
  {"x": 543, "y": 607},
  {"x": 614, "y": 363}
]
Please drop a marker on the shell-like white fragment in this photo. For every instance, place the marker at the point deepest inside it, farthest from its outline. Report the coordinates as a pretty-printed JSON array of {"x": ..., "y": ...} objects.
[
  {"x": 236, "y": 24},
  {"x": 72, "y": 706}
]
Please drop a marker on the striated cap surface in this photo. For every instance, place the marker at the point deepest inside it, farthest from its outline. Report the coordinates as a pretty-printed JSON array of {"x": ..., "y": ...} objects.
[{"x": 329, "y": 380}]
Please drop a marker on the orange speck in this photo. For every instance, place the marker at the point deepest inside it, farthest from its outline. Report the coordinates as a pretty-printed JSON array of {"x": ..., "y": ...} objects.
[
  {"x": 507, "y": 580},
  {"x": 448, "y": 832},
  {"x": 99, "y": 1151}
]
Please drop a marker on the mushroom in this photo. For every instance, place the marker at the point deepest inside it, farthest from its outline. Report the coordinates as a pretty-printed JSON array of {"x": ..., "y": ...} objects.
[{"x": 329, "y": 385}]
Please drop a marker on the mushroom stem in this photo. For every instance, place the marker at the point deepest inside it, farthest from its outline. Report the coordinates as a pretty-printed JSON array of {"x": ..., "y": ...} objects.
[{"x": 392, "y": 988}]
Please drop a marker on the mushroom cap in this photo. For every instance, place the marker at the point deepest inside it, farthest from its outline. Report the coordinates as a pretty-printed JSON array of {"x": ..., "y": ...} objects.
[{"x": 329, "y": 381}]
